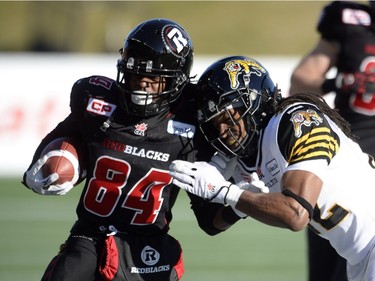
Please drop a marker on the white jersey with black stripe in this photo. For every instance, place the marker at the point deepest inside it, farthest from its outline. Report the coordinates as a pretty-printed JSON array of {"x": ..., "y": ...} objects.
[{"x": 303, "y": 138}]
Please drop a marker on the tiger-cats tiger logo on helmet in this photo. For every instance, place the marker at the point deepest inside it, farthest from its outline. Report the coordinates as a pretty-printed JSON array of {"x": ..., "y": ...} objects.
[
  {"x": 248, "y": 67},
  {"x": 304, "y": 117}
]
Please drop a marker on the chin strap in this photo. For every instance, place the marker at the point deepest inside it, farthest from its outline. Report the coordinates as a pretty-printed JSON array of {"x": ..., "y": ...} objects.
[{"x": 106, "y": 124}]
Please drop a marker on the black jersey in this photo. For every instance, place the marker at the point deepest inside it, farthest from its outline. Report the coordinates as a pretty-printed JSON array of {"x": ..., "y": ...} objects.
[
  {"x": 352, "y": 27},
  {"x": 128, "y": 183}
]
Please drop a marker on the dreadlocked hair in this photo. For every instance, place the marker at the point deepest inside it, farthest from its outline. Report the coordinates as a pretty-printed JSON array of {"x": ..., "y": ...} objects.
[
  {"x": 271, "y": 101},
  {"x": 319, "y": 101}
]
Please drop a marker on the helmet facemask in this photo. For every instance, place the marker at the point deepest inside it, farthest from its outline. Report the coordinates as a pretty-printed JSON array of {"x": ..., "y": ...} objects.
[
  {"x": 230, "y": 126},
  {"x": 139, "y": 102}
]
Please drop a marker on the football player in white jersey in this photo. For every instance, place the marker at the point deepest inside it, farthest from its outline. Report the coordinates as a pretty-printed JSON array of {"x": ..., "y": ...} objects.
[{"x": 287, "y": 162}]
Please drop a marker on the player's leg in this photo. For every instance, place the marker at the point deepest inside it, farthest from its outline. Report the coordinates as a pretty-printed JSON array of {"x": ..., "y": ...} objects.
[
  {"x": 76, "y": 261},
  {"x": 324, "y": 264}
]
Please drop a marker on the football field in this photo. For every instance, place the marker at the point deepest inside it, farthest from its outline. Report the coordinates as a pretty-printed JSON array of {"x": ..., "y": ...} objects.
[{"x": 33, "y": 226}]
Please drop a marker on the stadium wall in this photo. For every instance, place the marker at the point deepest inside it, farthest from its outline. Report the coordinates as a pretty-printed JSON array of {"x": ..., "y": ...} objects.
[{"x": 35, "y": 91}]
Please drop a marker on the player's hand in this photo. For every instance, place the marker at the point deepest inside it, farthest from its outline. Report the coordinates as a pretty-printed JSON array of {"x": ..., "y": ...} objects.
[
  {"x": 204, "y": 180},
  {"x": 35, "y": 180},
  {"x": 223, "y": 164},
  {"x": 255, "y": 182},
  {"x": 58, "y": 189},
  {"x": 226, "y": 166}
]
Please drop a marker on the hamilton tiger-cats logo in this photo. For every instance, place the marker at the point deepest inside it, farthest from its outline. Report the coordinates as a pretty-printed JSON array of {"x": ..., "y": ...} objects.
[
  {"x": 235, "y": 67},
  {"x": 304, "y": 117}
]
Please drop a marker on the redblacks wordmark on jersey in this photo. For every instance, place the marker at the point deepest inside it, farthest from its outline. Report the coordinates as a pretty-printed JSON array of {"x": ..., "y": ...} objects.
[{"x": 136, "y": 151}]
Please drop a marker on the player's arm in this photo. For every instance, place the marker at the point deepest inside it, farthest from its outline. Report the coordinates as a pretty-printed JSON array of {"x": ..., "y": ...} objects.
[
  {"x": 310, "y": 73},
  {"x": 292, "y": 208},
  {"x": 64, "y": 129},
  {"x": 33, "y": 177},
  {"x": 212, "y": 218},
  {"x": 69, "y": 126}
]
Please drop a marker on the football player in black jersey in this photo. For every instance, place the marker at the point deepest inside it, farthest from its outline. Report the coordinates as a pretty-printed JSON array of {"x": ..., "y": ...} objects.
[
  {"x": 347, "y": 43},
  {"x": 131, "y": 129},
  {"x": 287, "y": 162}
]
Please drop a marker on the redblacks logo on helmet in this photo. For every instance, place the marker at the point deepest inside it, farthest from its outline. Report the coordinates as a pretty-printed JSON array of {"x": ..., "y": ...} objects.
[{"x": 176, "y": 40}]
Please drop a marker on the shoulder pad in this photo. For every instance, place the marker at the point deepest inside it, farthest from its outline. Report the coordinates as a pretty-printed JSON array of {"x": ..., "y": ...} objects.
[
  {"x": 92, "y": 87},
  {"x": 95, "y": 84},
  {"x": 305, "y": 134}
]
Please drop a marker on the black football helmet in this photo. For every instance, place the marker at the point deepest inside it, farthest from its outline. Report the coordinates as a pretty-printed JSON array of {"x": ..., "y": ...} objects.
[
  {"x": 155, "y": 48},
  {"x": 242, "y": 84},
  {"x": 372, "y": 7}
]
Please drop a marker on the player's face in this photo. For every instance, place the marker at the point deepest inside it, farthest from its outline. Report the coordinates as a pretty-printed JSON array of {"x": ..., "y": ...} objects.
[
  {"x": 145, "y": 89},
  {"x": 151, "y": 85},
  {"x": 231, "y": 128}
]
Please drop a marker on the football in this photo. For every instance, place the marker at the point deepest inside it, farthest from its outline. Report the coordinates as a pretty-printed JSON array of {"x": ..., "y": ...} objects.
[{"x": 65, "y": 160}]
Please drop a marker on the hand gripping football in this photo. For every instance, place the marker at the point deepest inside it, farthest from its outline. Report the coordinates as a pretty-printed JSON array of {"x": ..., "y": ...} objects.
[{"x": 65, "y": 159}]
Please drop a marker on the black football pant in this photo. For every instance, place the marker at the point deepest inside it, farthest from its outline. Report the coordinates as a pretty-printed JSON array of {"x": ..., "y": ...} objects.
[
  {"x": 77, "y": 261},
  {"x": 130, "y": 258},
  {"x": 324, "y": 262}
]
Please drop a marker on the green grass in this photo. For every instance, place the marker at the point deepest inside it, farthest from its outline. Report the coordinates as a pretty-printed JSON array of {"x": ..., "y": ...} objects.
[{"x": 32, "y": 227}]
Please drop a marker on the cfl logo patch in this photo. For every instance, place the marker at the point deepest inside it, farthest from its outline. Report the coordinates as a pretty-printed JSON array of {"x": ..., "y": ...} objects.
[
  {"x": 100, "y": 107},
  {"x": 150, "y": 256}
]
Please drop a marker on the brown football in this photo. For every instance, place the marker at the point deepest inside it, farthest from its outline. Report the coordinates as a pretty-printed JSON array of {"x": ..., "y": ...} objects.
[{"x": 68, "y": 150}]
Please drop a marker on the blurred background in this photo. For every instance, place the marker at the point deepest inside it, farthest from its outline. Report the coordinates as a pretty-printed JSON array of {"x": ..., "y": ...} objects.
[
  {"x": 217, "y": 27},
  {"x": 45, "y": 46}
]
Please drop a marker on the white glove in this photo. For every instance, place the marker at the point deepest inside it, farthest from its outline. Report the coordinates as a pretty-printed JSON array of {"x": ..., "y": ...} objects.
[
  {"x": 204, "y": 180},
  {"x": 225, "y": 165},
  {"x": 255, "y": 183},
  {"x": 44, "y": 185}
]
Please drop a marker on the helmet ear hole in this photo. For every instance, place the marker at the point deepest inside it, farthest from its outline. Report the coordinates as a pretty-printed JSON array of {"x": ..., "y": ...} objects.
[
  {"x": 241, "y": 83},
  {"x": 155, "y": 48}
]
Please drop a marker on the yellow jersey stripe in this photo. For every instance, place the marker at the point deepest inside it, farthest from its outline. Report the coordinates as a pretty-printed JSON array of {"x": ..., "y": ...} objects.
[{"x": 319, "y": 143}]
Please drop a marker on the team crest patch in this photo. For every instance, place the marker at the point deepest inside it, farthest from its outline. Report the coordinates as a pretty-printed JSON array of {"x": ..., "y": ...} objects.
[
  {"x": 304, "y": 118},
  {"x": 140, "y": 129},
  {"x": 181, "y": 129}
]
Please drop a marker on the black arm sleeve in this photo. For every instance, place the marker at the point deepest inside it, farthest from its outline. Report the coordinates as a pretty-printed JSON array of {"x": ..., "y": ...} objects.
[{"x": 206, "y": 211}]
